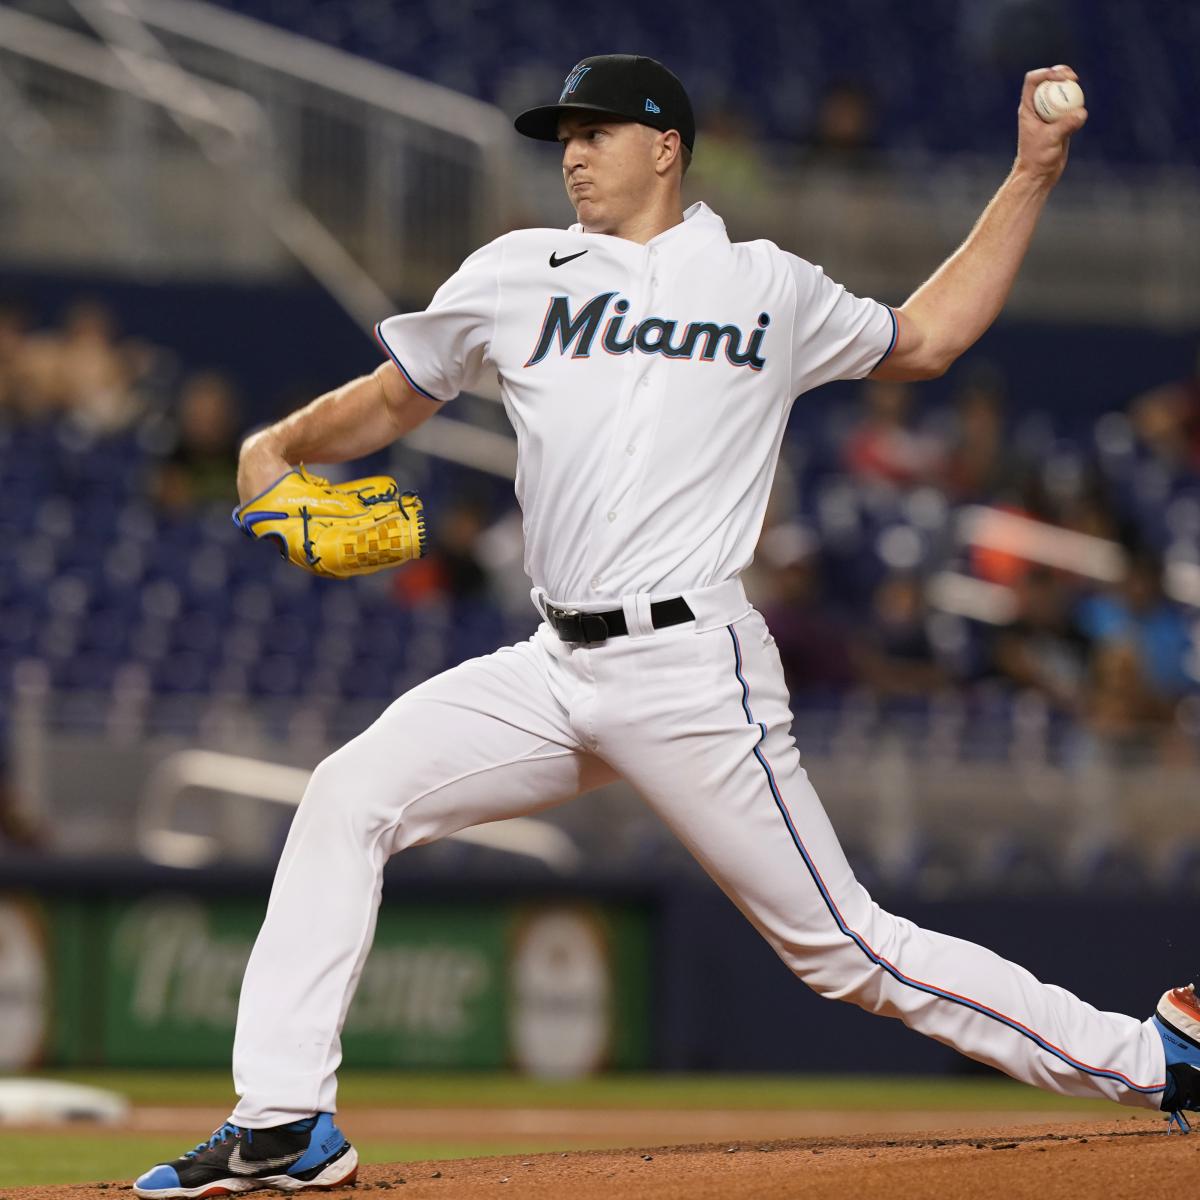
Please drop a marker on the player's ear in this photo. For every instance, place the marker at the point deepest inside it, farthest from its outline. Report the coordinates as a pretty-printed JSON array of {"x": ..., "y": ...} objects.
[{"x": 667, "y": 149}]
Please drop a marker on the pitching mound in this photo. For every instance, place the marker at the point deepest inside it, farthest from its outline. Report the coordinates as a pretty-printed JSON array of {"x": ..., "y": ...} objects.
[{"x": 1128, "y": 1158}]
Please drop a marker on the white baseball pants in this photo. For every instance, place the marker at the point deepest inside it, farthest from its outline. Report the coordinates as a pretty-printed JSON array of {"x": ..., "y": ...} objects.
[{"x": 696, "y": 718}]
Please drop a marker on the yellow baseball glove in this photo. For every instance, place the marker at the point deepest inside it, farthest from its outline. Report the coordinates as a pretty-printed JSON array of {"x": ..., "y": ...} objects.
[{"x": 337, "y": 530}]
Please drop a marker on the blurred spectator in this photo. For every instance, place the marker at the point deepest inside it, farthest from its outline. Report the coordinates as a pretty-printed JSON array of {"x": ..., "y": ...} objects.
[
  {"x": 201, "y": 468},
  {"x": 14, "y": 333},
  {"x": 1002, "y": 564},
  {"x": 1135, "y": 612},
  {"x": 452, "y": 569},
  {"x": 1089, "y": 512},
  {"x": 729, "y": 162},
  {"x": 1166, "y": 420},
  {"x": 1126, "y": 719},
  {"x": 883, "y": 447},
  {"x": 813, "y": 642},
  {"x": 85, "y": 371},
  {"x": 17, "y": 829},
  {"x": 844, "y": 130},
  {"x": 978, "y": 464},
  {"x": 1045, "y": 649},
  {"x": 896, "y": 656}
]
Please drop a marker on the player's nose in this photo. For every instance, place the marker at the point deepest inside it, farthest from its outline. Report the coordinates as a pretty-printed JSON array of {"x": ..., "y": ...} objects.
[{"x": 573, "y": 153}]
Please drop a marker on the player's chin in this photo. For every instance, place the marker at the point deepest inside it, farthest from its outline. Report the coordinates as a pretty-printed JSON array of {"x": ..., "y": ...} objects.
[{"x": 592, "y": 216}]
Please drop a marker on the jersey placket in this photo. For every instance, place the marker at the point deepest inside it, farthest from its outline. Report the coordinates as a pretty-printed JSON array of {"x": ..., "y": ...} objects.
[{"x": 633, "y": 423}]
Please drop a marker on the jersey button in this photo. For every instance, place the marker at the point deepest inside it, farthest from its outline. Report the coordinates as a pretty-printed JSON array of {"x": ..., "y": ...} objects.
[
  {"x": 612, "y": 516},
  {"x": 595, "y": 585},
  {"x": 645, "y": 381},
  {"x": 631, "y": 450}
]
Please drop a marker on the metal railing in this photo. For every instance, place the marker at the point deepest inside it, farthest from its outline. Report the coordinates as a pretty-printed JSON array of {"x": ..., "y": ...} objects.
[
  {"x": 947, "y": 801},
  {"x": 407, "y": 176},
  {"x": 233, "y": 779}
]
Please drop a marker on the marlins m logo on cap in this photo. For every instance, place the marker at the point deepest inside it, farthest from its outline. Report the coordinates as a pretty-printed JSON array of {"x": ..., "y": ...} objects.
[{"x": 572, "y": 82}]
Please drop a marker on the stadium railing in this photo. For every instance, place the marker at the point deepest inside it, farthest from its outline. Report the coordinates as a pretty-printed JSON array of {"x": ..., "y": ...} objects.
[
  {"x": 937, "y": 801},
  {"x": 407, "y": 176}
]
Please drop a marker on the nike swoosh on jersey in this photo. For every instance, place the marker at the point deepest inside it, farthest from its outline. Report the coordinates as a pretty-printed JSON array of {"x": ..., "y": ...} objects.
[
  {"x": 239, "y": 1166},
  {"x": 558, "y": 262}
]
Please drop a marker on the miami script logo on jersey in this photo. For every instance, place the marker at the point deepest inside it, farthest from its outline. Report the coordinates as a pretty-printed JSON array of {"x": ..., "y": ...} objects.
[{"x": 654, "y": 335}]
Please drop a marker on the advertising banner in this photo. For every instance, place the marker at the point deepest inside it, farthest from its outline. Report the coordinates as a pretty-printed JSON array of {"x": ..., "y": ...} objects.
[
  {"x": 25, "y": 1002},
  {"x": 556, "y": 989}
]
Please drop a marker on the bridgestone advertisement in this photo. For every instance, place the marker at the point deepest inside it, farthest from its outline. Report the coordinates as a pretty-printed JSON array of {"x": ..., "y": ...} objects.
[{"x": 557, "y": 990}]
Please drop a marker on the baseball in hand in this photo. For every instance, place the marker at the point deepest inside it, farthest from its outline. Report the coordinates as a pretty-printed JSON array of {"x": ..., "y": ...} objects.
[{"x": 1054, "y": 98}]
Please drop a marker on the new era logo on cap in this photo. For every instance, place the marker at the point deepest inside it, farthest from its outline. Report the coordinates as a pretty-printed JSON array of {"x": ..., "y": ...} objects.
[{"x": 651, "y": 106}]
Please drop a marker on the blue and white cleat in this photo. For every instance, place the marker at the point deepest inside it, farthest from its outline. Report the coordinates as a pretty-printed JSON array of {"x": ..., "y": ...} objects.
[
  {"x": 312, "y": 1153},
  {"x": 1177, "y": 1020}
]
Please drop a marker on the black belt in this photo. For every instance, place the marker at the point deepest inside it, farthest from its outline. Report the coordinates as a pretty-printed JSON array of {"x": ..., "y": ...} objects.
[{"x": 590, "y": 628}]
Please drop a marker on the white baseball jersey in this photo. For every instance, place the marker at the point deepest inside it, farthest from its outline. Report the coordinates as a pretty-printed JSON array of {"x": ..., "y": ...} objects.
[{"x": 649, "y": 386}]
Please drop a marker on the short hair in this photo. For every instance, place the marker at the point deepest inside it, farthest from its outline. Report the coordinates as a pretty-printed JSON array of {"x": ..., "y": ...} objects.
[{"x": 686, "y": 156}]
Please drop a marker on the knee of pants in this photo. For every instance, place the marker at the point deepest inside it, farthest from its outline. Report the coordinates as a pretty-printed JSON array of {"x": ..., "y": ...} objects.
[
  {"x": 839, "y": 973},
  {"x": 343, "y": 795},
  {"x": 849, "y": 966}
]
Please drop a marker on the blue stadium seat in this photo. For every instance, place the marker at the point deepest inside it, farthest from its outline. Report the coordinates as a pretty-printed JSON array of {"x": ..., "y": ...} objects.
[
  {"x": 87, "y": 672},
  {"x": 773, "y": 61},
  {"x": 1114, "y": 869},
  {"x": 367, "y": 678},
  {"x": 183, "y": 671},
  {"x": 278, "y": 675},
  {"x": 1181, "y": 872}
]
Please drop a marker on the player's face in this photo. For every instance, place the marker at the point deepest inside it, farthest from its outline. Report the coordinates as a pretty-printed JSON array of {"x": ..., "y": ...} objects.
[{"x": 608, "y": 169}]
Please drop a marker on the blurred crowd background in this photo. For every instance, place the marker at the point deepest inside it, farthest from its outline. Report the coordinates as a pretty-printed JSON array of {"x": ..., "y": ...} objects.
[
  {"x": 998, "y": 572},
  {"x": 845, "y": 81}
]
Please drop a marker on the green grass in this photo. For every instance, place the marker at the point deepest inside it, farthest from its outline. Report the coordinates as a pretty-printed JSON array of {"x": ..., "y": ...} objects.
[
  {"x": 74, "y": 1155},
  {"x": 470, "y": 1090}
]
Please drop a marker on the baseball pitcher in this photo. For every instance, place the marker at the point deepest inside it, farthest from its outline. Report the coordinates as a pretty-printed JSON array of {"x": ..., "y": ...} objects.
[{"x": 649, "y": 366}]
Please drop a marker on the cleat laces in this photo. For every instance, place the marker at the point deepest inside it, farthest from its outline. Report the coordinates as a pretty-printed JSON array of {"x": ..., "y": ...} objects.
[
  {"x": 219, "y": 1137},
  {"x": 1177, "y": 1118}
]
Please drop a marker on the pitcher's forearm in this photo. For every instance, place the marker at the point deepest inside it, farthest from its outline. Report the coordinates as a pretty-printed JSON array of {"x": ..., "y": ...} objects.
[
  {"x": 957, "y": 304},
  {"x": 352, "y": 421}
]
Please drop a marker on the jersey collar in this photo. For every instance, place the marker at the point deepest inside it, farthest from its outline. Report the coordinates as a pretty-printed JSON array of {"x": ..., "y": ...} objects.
[{"x": 699, "y": 224}]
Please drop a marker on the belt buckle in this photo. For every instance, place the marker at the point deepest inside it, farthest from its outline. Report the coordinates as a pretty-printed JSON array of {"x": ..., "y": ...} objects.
[
  {"x": 592, "y": 627},
  {"x": 561, "y": 618}
]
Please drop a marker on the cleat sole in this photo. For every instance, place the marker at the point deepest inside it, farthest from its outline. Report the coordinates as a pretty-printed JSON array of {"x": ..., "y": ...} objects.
[
  {"x": 220, "y": 1187},
  {"x": 342, "y": 1172}
]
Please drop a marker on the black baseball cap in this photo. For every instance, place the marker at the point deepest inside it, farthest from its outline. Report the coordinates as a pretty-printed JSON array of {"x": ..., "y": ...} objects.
[{"x": 621, "y": 85}]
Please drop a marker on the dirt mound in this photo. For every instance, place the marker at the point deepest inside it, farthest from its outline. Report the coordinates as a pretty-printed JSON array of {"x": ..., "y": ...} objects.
[{"x": 1127, "y": 1158}]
